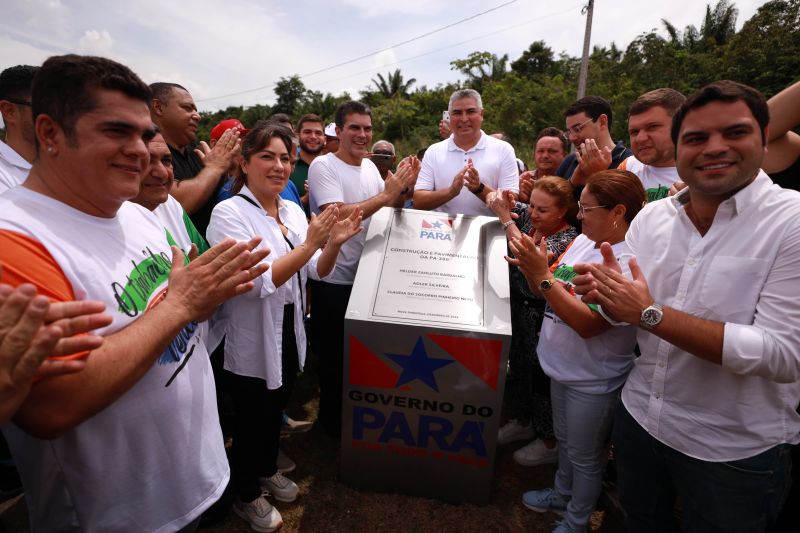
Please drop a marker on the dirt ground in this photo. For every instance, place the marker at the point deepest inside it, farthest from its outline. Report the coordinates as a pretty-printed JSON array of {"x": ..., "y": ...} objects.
[{"x": 325, "y": 505}]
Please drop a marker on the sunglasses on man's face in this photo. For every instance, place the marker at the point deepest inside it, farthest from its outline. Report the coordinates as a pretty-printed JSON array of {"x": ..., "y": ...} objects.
[{"x": 385, "y": 157}]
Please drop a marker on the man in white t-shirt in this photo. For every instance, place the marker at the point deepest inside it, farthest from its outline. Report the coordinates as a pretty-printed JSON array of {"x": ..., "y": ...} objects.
[
  {"x": 132, "y": 442},
  {"x": 154, "y": 195},
  {"x": 653, "y": 159},
  {"x": 17, "y": 153},
  {"x": 347, "y": 179},
  {"x": 709, "y": 411},
  {"x": 459, "y": 172}
]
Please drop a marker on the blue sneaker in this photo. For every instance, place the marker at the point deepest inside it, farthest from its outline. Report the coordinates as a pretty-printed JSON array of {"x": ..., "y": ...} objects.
[
  {"x": 563, "y": 527},
  {"x": 545, "y": 500}
]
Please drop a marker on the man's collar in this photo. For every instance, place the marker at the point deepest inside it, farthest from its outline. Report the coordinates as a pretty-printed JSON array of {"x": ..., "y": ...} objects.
[
  {"x": 453, "y": 147},
  {"x": 744, "y": 199}
]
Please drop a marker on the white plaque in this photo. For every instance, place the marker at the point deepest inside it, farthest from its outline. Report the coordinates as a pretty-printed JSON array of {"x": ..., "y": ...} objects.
[{"x": 432, "y": 270}]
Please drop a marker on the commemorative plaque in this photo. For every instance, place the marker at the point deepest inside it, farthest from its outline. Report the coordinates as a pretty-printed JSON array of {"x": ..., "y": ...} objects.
[{"x": 427, "y": 333}]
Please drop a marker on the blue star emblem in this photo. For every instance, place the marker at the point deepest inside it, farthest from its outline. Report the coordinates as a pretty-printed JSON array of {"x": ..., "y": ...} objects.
[
  {"x": 437, "y": 224},
  {"x": 417, "y": 365}
]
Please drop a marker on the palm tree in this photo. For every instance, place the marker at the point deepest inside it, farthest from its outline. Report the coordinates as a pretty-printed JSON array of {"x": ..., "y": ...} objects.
[
  {"x": 393, "y": 85},
  {"x": 719, "y": 25}
]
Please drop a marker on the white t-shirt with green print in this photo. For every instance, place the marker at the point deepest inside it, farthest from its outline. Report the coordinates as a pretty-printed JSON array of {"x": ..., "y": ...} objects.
[
  {"x": 656, "y": 180},
  {"x": 595, "y": 365}
]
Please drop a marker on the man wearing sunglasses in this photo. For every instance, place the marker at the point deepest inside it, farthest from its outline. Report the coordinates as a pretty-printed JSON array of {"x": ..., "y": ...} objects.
[
  {"x": 383, "y": 156},
  {"x": 19, "y": 149},
  {"x": 589, "y": 130}
]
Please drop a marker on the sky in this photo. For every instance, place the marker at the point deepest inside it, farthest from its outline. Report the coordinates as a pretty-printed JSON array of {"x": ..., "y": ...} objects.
[{"x": 222, "y": 51}]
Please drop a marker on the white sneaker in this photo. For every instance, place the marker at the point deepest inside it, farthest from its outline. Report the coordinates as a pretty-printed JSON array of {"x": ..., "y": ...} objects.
[
  {"x": 536, "y": 453},
  {"x": 280, "y": 486},
  {"x": 260, "y": 514},
  {"x": 285, "y": 463},
  {"x": 290, "y": 425},
  {"x": 513, "y": 430}
]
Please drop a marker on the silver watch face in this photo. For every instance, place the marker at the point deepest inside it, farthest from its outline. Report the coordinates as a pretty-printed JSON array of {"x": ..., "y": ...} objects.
[{"x": 651, "y": 316}]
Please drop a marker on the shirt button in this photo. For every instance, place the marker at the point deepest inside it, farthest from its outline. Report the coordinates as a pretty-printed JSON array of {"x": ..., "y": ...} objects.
[
  {"x": 690, "y": 261},
  {"x": 661, "y": 364}
]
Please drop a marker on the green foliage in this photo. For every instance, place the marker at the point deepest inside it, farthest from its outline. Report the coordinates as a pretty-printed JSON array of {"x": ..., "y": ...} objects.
[
  {"x": 535, "y": 62},
  {"x": 539, "y": 85},
  {"x": 481, "y": 68},
  {"x": 290, "y": 92}
]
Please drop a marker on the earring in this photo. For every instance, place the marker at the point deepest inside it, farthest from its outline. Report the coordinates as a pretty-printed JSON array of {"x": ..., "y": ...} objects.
[
  {"x": 615, "y": 224},
  {"x": 49, "y": 149}
]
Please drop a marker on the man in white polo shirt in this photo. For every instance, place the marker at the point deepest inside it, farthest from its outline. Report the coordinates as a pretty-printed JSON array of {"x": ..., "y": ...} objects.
[{"x": 458, "y": 172}]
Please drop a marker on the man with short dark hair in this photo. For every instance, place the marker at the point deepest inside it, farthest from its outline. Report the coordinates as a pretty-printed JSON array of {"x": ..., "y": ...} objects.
[
  {"x": 653, "y": 158},
  {"x": 157, "y": 182},
  {"x": 132, "y": 441},
  {"x": 589, "y": 130},
  {"x": 459, "y": 172},
  {"x": 349, "y": 180},
  {"x": 283, "y": 119},
  {"x": 199, "y": 170},
  {"x": 311, "y": 138},
  {"x": 708, "y": 413},
  {"x": 19, "y": 149},
  {"x": 550, "y": 150}
]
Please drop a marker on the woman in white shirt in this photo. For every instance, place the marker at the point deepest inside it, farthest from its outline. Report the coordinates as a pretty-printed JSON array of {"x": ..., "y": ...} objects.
[
  {"x": 586, "y": 358},
  {"x": 265, "y": 339}
]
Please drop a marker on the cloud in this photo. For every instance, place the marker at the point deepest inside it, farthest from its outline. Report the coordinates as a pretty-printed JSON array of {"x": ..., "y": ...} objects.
[
  {"x": 385, "y": 58},
  {"x": 96, "y": 43},
  {"x": 373, "y": 9}
]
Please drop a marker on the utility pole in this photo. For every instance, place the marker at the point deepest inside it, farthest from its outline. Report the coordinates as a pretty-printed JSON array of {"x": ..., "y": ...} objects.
[{"x": 587, "y": 37}]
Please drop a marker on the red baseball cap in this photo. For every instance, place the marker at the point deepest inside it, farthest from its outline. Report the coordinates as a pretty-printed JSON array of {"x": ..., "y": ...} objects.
[{"x": 225, "y": 125}]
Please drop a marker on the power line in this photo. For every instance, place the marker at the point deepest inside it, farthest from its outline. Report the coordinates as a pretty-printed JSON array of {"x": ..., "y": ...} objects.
[
  {"x": 501, "y": 30},
  {"x": 349, "y": 61}
]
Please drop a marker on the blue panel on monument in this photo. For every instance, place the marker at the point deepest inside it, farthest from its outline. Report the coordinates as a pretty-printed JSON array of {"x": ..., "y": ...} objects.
[{"x": 427, "y": 334}]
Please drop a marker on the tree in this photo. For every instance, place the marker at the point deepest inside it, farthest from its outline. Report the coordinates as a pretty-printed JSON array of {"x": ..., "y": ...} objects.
[
  {"x": 321, "y": 104},
  {"x": 717, "y": 28},
  {"x": 481, "y": 68},
  {"x": 719, "y": 25},
  {"x": 393, "y": 85},
  {"x": 537, "y": 61},
  {"x": 766, "y": 52},
  {"x": 290, "y": 92}
]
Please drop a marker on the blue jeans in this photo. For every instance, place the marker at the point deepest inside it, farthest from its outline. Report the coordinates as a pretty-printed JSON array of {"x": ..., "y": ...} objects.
[
  {"x": 581, "y": 423},
  {"x": 735, "y": 496}
]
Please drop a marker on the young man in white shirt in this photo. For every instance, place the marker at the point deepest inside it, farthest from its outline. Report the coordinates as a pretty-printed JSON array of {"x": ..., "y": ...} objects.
[
  {"x": 653, "y": 159},
  {"x": 349, "y": 180},
  {"x": 709, "y": 410},
  {"x": 19, "y": 149},
  {"x": 459, "y": 172}
]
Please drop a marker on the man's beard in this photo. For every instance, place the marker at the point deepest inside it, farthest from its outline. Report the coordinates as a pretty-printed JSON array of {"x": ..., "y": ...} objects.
[{"x": 307, "y": 149}]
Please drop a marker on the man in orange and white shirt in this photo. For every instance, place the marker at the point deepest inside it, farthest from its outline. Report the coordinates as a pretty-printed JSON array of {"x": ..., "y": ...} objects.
[{"x": 132, "y": 441}]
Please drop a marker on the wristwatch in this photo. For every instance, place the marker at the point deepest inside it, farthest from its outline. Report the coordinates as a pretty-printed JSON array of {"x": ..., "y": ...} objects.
[
  {"x": 651, "y": 316},
  {"x": 479, "y": 189},
  {"x": 547, "y": 284}
]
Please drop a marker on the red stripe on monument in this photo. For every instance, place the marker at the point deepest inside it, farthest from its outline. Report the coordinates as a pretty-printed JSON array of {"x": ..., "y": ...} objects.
[
  {"x": 479, "y": 356},
  {"x": 367, "y": 370}
]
